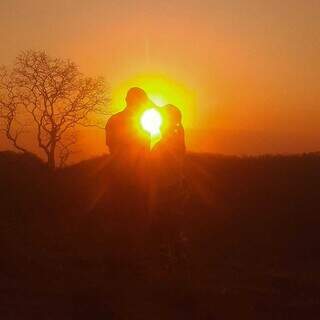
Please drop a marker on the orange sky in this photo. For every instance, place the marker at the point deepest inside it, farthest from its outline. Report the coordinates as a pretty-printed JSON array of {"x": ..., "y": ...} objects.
[{"x": 249, "y": 69}]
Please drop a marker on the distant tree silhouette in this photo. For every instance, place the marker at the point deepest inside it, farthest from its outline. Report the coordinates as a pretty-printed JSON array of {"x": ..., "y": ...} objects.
[{"x": 50, "y": 98}]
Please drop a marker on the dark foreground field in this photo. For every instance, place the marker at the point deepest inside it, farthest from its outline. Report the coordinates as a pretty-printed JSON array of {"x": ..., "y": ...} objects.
[{"x": 252, "y": 248}]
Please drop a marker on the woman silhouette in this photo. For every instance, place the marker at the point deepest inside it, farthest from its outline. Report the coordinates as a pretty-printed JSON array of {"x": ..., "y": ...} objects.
[
  {"x": 167, "y": 194},
  {"x": 172, "y": 143}
]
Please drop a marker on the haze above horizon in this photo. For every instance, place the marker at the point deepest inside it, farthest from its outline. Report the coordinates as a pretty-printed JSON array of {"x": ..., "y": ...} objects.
[{"x": 242, "y": 65}]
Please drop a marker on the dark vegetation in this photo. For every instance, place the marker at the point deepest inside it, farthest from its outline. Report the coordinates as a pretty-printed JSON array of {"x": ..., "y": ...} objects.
[
  {"x": 252, "y": 249},
  {"x": 47, "y": 99}
]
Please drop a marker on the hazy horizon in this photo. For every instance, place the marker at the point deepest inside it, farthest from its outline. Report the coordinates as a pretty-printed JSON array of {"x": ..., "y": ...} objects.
[{"x": 243, "y": 72}]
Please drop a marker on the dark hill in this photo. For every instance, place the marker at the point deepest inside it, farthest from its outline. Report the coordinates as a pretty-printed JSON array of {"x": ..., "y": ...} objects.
[{"x": 252, "y": 249}]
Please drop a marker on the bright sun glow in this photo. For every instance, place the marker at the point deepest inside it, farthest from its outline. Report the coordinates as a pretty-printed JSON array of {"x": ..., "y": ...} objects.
[
  {"x": 161, "y": 90},
  {"x": 158, "y": 100},
  {"x": 151, "y": 121}
]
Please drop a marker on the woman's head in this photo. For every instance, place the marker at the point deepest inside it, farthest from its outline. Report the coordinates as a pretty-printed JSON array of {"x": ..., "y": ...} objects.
[
  {"x": 172, "y": 116},
  {"x": 172, "y": 132}
]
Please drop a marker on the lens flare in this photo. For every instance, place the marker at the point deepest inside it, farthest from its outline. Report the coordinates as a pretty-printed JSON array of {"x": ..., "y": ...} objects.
[{"x": 151, "y": 121}]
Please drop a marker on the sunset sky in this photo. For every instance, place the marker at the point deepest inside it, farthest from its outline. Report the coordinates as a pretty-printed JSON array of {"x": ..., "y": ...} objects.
[{"x": 244, "y": 72}]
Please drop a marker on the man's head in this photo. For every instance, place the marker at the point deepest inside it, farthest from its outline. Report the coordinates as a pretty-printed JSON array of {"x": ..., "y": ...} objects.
[{"x": 136, "y": 98}]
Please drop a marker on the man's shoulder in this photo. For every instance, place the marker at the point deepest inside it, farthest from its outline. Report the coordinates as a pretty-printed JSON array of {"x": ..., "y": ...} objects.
[
  {"x": 115, "y": 118},
  {"x": 118, "y": 115}
]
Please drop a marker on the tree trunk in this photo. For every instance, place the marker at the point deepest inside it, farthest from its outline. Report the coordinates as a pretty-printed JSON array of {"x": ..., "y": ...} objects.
[{"x": 51, "y": 157}]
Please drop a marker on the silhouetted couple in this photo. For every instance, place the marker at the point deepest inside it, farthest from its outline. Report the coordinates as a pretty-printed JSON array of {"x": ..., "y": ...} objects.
[
  {"x": 125, "y": 140},
  {"x": 139, "y": 176}
]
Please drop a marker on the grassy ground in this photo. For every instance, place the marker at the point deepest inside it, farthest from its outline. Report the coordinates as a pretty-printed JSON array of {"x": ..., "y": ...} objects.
[{"x": 251, "y": 249}]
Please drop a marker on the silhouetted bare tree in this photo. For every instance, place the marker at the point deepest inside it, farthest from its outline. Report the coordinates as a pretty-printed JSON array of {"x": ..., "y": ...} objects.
[
  {"x": 9, "y": 107},
  {"x": 50, "y": 97}
]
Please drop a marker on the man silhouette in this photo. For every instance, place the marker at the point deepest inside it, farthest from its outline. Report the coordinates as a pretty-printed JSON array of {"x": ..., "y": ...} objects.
[
  {"x": 122, "y": 136},
  {"x": 129, "y": 148}
]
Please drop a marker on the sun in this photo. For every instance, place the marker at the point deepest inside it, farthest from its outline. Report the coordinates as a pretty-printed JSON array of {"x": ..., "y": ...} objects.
[
  {"x": 162, "y": 89},
  {"x": 151, "y": 121}
]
